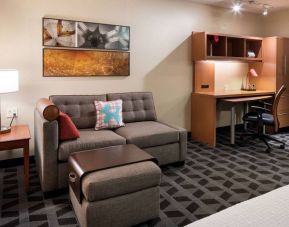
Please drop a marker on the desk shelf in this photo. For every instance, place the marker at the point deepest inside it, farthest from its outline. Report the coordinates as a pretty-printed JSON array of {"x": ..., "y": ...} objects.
[
  {"x": 235, "y": 47},
  {"x": 214, "y": 46}
]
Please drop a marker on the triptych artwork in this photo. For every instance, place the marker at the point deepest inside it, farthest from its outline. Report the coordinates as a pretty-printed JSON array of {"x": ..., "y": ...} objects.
[{"x": 94, "y": 49}]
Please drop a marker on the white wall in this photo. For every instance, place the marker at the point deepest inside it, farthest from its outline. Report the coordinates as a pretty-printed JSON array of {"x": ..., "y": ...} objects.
[
  {"x": 276, "y": 24},
  {"x": 160, "y": 49}
]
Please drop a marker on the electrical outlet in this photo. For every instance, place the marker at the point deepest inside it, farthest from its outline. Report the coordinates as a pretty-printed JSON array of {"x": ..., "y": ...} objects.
[{"x": 11, "y": 111}]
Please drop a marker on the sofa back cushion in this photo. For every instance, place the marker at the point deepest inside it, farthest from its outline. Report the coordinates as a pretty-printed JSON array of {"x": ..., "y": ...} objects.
[
  {"x": 80, "y": 108},
  {"x": 137, "y": 106}
]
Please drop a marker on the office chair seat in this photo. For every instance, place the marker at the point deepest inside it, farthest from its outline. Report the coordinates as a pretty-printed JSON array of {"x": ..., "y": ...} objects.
[{"x": 267, "y": 119}]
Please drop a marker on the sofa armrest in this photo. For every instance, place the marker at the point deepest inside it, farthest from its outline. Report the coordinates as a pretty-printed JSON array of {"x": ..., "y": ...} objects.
[
  {"x": 183, "y": 139},
  {"x": 47, "y": 109},
  {"x": 46, "y": 151}
]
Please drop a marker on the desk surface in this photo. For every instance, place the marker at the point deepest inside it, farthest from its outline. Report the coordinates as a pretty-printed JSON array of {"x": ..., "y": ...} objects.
[{"x": 235, "y": 93}]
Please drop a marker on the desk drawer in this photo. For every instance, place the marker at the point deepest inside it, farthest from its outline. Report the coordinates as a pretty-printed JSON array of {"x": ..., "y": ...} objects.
[
  {"x": 283, "y": 105},
  {"x": 283, "y": 120}
]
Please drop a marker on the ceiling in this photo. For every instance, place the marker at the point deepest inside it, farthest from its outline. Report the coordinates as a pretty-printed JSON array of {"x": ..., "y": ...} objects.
[{"x": 255, "y": 7}]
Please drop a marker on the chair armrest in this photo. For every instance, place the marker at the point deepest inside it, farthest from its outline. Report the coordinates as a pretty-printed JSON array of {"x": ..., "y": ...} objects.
[
  {"x": 260, "y": 109},
  {"x": 267, "y": 103},
  {"x": 183, "y": 139},
  {"x": 46, "y": 151}
]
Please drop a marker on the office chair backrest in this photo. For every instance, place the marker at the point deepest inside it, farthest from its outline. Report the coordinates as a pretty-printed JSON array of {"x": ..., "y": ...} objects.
[{"x": 275, "y": 106}]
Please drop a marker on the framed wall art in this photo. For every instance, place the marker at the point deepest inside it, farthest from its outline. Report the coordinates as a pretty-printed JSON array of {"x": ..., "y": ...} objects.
[
  {"x": 79, "y": 34},
  {"x": 84, "y": 63},
  {"x": 59, "y": 33}
]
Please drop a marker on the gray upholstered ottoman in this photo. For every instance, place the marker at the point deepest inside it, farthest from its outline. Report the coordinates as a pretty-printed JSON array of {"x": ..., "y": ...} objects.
[{"x": 120, "y": 196}]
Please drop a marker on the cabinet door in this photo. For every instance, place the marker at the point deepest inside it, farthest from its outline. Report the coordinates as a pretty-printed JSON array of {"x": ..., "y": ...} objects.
[
  {"x": 286, "y": 65},
  {"x": 282, "y": 63},
  {"x": 283, "y": 78}
]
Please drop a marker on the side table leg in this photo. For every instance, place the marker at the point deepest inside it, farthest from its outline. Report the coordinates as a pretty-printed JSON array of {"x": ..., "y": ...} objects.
[{"x": 26, "y": 167}]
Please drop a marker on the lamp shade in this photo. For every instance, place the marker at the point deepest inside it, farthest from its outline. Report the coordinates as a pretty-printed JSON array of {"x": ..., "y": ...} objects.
[
  {"x": 253, "y": 72},
  {"x": 8, "y": 80}
]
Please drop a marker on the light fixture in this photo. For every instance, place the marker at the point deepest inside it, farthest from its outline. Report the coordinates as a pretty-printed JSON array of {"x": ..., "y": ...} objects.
[
  {"x": 8, "y": 83},
  {"x": 265, "y": 10},
  {"x": 237, "y": 7},
  {"x": 239, "y": 4}
]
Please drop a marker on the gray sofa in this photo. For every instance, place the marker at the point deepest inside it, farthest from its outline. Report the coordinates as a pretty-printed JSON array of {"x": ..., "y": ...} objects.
[{"x": 165, "y": 142}]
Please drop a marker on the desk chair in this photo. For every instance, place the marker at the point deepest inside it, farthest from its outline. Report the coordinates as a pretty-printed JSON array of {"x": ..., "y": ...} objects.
[{"x": 265, "y": 117}]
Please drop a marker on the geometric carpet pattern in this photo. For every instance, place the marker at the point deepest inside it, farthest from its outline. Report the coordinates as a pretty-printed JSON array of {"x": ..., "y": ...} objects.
[{"x": 211, "y": 180}]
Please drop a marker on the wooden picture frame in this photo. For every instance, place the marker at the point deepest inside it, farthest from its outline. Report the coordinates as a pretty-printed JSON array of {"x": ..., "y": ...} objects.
[{"x": 84, "y": 63}]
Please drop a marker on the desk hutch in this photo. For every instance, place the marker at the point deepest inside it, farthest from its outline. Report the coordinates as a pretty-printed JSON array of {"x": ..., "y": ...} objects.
[{"x": 269, "y": 59}]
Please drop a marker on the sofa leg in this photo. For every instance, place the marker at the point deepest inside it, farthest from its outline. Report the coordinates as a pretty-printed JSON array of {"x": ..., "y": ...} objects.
[
  {"x": 55, "y": 193},
  {"x": 176, "y": 164},
  {"x": 150, "y": 223}
]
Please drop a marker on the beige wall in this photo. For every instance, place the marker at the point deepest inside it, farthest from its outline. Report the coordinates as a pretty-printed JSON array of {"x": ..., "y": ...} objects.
[
  {"x": 276, "y": 24},
  {"x": 160, "y": 49}
]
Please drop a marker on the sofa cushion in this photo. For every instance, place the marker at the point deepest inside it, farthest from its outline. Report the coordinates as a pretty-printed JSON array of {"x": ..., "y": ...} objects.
[
  {"x": 148, "y": 134},
  {"x": 121, "y": 180},
  {"x": 137, "y": 106},
  {"x": 80, "y": 108},
  {"x": 89, "y": 139}
]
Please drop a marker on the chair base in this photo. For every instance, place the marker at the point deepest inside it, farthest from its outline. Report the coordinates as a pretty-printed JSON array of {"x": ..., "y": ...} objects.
[{"x": 264, "y": 138}]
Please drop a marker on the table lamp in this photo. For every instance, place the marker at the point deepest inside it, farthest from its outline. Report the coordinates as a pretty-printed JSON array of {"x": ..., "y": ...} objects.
[
  {"x": 8, "y": 83},
  {"x": 247, "y": 86}
]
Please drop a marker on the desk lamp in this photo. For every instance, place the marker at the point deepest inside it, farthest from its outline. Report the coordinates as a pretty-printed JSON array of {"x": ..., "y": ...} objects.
[
  {"x": 8, "y": 83},
  {"x": 248, "y": 86}
]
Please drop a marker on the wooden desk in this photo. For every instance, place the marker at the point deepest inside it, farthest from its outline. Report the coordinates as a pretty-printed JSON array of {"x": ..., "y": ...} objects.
[
  {"x": 204, "y": 111},
  {"x": 18, "y": 138}
]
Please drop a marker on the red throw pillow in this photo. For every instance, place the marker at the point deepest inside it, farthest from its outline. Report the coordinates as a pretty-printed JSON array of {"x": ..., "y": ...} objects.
[{"x": 67, "y": 129}]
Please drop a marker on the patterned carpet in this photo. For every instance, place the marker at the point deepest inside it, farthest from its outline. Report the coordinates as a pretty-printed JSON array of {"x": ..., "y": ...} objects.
[{"x": 211, "y": 180}]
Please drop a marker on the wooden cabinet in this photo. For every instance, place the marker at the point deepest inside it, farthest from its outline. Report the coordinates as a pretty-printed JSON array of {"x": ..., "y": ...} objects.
[
  {"x": 274, "y": 72},
  {"x": 282, "y": 63},
  {"x": 283, "y": 78},
  {"x": 208, "y": 46}
]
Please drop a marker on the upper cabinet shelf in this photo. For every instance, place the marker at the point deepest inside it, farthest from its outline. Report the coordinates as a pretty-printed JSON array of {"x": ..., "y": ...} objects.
[{"x": 207, "y": 46}]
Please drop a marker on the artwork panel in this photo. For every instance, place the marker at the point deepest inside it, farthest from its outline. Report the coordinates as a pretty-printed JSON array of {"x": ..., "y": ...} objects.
[
  {"x": 103, "y": 36},
  {"x": 81, "y": 63},
  {"x": 59, "y": 33}
]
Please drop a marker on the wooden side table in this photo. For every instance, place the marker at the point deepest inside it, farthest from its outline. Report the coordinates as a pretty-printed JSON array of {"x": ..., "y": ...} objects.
[{"x": 18, "y": 138}]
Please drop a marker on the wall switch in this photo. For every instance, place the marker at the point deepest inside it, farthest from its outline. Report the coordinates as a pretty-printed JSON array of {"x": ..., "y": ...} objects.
[
  {"x": 11, "y": 111},
  {"x": 205, "y": 86}
]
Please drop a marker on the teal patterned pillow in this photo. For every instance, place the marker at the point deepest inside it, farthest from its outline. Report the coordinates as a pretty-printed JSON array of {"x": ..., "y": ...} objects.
[{"x": 108, "y": 114}]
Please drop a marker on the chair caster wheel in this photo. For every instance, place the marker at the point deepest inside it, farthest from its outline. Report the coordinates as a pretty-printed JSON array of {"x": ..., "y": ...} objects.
[
  {"x": 282, "y": 146},
  {"x": 268, "y": 150}
]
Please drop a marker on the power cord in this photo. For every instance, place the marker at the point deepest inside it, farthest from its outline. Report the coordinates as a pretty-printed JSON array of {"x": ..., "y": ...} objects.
[{"x": 14, "y": 116}]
